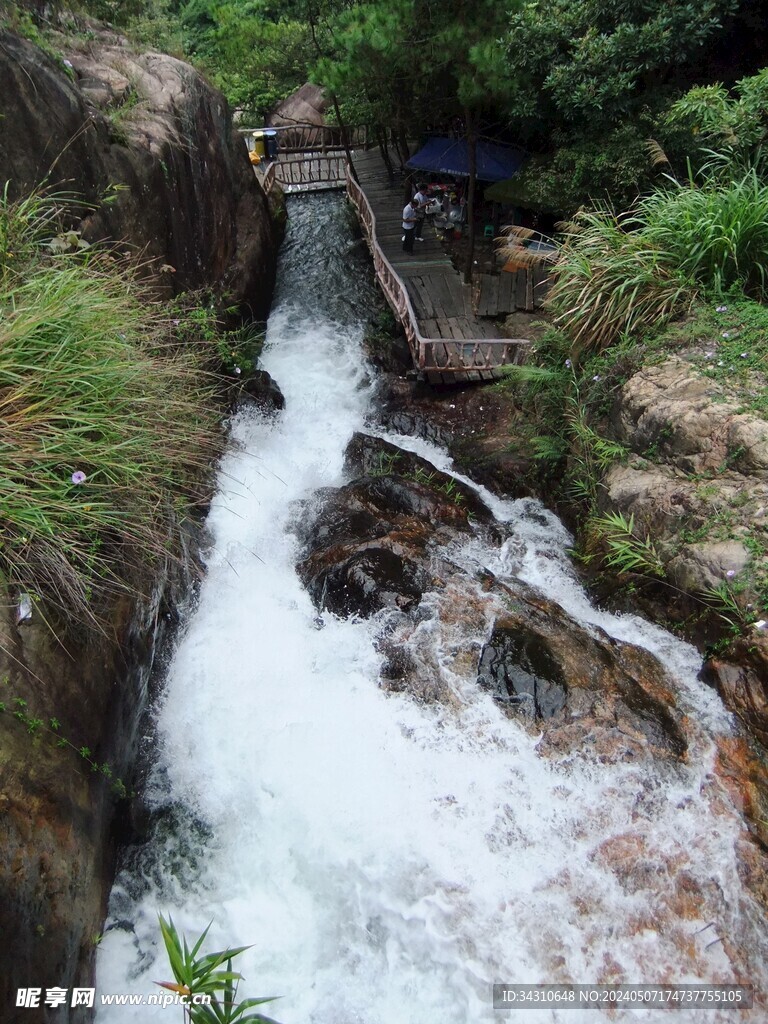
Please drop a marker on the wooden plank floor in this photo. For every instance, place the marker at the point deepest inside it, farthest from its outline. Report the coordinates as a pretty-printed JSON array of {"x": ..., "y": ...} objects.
[{"x": 440, "y": 299}]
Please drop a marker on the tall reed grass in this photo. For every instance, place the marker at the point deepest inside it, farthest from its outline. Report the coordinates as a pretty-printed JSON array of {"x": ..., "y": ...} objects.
[
  {"x": 107, "y": 425},
  {"x": 715, "y": 235},
  {"x": 617, "y": 274},
  {"x": 608, "y": 280}
]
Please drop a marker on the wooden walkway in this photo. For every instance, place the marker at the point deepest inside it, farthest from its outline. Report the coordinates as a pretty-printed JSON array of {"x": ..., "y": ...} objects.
[
  {"x": 509, "y": 292},
  {"x": 448, "y": 342}
]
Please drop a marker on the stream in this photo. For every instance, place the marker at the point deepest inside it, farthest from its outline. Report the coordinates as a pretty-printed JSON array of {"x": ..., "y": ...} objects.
[{"x": 388, "y": 858}]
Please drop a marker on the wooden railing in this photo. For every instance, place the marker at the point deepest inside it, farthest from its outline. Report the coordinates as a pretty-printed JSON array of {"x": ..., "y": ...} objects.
[
  {"x": 437, "y": 354},
  {"x": 304, "y": 174},
  {"x": 319, "y": 138},
  {"x": 311, "y": 170},
  {"x": 301, "y": 138}
]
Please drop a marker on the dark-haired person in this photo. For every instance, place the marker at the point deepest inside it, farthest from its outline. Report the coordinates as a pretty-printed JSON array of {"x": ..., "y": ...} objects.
[
  {"x": 410, "y": 217},
  {"x": 422, "y": 199}
]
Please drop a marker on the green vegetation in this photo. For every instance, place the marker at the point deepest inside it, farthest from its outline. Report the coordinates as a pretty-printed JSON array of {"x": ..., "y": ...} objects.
[
  {"x": 610, "y": 281},
  {"x": 581, "y": 85},
  {"x": 18, "y": 708},
  {"x": 108, "y": 423},
  {"x": 208, "y": 975},
  {"x": 626, "y": 552},
  {"x": 565, "y": 403}
]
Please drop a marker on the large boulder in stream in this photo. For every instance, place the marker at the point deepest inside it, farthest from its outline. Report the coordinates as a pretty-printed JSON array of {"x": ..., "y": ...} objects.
[
  {"x": 369, "y": 545},
  {"x": 385, "y": 541},
  {"x": 260, "y": 390}
]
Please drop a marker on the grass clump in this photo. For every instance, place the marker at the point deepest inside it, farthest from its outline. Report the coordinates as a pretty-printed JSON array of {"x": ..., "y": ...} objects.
[
  {"x": 715, "y": 235},
  {"x": 107, "y": 423},
  {"x": 615, "y": 275},
  {"x": 610, "y": 281}
]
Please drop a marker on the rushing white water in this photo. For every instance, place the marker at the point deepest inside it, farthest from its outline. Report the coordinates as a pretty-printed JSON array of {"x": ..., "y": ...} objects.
[{"x": 390, "y": 859}]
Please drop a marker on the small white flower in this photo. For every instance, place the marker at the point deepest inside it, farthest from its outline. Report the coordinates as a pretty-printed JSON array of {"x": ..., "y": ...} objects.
[
  {"x": 731, "y": 573},
  {"x": 596, "y": 377},
  {"x": 238, "y": 371},
  {"x": 721, "y": 309},
  {"x": 568, "y": 363},
  {"x": 744, "y": 355},
  {"x": 725, "y": 334}
]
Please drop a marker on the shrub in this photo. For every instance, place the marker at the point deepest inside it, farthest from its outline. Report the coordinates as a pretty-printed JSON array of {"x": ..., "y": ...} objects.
[{"x": 618, "y": 274}]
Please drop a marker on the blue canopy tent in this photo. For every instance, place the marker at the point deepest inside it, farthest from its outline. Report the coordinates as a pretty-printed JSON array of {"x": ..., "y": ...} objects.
[{"x": 442, "y": 155}]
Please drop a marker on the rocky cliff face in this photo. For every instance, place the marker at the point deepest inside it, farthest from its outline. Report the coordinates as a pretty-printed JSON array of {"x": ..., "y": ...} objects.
[
  {"x": 105, "y": 116},
  {"x": 696, "y": 482},
  {"x": 102, "y": 116},
  {"x": 68, "y": 737}
]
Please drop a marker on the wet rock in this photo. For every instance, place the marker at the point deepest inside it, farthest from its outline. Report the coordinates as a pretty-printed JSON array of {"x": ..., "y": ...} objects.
[
  {"x": 414, "y": 425},
  {"x": 522, "y": 667},
  {"x": 367, "y": 455},
  {"x": 741, "y": 764},
  {"x": 366, "y": 544},
  {"x": 366, "y": 581},
  {"x": 261, "y": 390},
  {"x": 477, "y": 424},
  {"x": 398, "y": 667},
  {"x": 596, "y": 693},
  {"x": 741, "y": 679},
  {"x": 389, "y": 352},
  {"x": 372, "y": 543}
]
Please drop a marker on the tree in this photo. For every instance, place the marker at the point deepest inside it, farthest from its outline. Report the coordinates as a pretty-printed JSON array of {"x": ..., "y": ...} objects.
[
  {"x": 587, "y": 73},
  {"x": 413, "y": 64}
]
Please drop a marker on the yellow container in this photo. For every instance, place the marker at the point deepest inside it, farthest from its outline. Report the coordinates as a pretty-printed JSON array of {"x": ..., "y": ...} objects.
[{"x": 258, "y": 144}]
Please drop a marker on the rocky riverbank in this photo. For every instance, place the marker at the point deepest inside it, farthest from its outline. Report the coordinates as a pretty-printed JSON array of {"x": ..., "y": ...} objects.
[{"x": 693, "y": 482}]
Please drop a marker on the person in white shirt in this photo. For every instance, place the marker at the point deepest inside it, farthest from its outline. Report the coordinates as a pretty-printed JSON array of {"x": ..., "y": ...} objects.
[
  {"x": 410, "y": 217},
  {"x": 422, "y": 199}
]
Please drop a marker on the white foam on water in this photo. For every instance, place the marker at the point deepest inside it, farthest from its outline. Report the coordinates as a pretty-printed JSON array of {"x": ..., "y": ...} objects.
[{"x": 387, "y": 859}]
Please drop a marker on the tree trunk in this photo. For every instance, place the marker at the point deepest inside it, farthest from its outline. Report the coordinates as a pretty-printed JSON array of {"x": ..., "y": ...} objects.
[
  {"x": 381, "y": 138},
  {"x": 472, "y": 159},
  {"x": 344, "y": 138}
]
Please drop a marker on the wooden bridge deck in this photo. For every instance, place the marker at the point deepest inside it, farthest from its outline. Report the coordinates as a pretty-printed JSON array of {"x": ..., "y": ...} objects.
[{"x": 449, "y": 343}]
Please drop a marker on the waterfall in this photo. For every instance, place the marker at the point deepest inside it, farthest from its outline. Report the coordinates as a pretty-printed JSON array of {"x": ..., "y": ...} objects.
[{"x": 388, "y": 859}]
